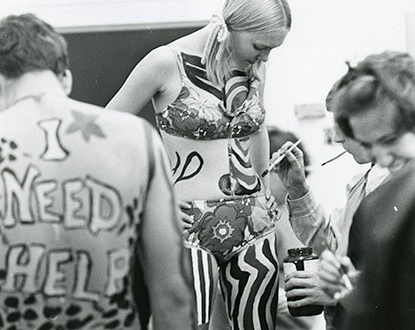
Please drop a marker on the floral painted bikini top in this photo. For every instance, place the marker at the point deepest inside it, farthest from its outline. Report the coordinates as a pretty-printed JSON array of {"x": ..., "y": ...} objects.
[{"x": 204, "y": 112}]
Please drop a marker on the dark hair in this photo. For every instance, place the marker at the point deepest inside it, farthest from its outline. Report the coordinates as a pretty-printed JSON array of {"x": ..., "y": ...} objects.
[
  {"x": 331, "y": 94},
  {"x": 29, "y": 44},
  {"x": 381, "y": 79},
  {"x": 277, "y": 137}
]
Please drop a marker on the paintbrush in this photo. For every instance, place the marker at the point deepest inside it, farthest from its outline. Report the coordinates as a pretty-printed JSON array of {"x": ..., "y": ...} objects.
[
  {"x": 280, "y": 158},
  {"x": 334, "y": 158},
  {"x": 344, "y": 276}
]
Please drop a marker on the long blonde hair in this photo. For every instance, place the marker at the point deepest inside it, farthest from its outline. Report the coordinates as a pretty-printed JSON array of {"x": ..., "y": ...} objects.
[{"x": 242, "y": 15}]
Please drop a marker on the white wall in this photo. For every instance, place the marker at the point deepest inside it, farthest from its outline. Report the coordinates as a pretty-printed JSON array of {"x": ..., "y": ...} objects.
[
  {"x": 324, "y": 34},
  {"x": 68, "y": 14}
]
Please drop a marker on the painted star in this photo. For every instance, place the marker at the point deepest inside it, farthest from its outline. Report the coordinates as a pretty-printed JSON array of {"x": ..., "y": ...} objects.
[{"x": 86, "y": 125}]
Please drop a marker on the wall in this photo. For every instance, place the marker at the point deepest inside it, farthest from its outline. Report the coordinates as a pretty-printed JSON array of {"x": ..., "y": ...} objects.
[
  {"x": 324, "y": 35},
  {"x": 84, "y": 14}
]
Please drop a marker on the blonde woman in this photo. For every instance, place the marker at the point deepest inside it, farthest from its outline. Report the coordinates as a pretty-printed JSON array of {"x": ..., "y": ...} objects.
[{"x": 206, "y": 90}]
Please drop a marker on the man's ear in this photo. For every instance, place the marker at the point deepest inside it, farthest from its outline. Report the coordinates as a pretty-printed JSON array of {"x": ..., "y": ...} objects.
[{"x": 66, "y": 80}]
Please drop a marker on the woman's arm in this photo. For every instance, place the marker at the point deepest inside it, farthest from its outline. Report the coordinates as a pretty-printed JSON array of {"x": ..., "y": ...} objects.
[{"x": 150, "y": 77}]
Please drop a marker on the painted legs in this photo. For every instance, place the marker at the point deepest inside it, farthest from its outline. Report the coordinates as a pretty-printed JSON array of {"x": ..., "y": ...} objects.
[{"x": 249, "y": 283}]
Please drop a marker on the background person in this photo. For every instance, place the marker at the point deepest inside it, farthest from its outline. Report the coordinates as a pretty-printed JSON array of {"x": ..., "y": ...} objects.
[
  {"x": 79, "y": 200},
  {"x": 207, "y": 89}
]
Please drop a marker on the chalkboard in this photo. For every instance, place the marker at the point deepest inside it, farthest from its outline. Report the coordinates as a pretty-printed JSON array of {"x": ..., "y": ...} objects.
[{"x": 100, "y": 61}]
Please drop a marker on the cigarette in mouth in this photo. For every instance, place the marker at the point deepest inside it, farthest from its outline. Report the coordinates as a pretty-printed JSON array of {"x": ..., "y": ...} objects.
[{"x": 334, "y": 158}]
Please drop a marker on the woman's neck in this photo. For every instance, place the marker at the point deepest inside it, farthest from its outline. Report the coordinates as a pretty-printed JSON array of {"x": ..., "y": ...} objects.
[{"x": 194, "y": 43}]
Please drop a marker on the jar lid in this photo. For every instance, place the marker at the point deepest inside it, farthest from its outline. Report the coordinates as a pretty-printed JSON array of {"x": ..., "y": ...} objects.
[{"x": 301, "y": 252}]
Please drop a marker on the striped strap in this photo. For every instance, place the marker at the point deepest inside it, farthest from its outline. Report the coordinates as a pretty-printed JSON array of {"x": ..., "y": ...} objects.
[{"x": 236, "y": 91}]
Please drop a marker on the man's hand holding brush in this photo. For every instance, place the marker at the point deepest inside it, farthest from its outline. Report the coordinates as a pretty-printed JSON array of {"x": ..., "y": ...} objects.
[
  {"x": 291, "y": 170},
  {"x": 337, "y": 275}
]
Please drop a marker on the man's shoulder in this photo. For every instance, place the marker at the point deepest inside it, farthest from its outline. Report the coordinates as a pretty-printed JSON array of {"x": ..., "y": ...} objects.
[
  {"x": 384, "y": 217},
  {"x": 377, "y": 176},
  {"x": 398, "y": 184},
  {"x": 393, "y": 198},
  {"x": 115, "y": 127}
]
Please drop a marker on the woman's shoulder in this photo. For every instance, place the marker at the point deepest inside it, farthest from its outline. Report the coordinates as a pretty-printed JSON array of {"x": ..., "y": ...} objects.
[
  {"x": 161, "y": 54},
  {"x": 162, "y": 58}
]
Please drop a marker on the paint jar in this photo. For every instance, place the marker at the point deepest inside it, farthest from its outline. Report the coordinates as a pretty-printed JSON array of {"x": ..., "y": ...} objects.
[{"x": 302, "y": 259}]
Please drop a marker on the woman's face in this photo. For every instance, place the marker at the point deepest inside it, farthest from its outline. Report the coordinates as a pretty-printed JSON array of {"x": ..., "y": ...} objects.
[{"x": 250, "y": 47}]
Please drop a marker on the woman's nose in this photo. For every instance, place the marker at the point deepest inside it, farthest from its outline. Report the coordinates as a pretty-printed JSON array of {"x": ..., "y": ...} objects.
[{"x": 264, "y": 55}]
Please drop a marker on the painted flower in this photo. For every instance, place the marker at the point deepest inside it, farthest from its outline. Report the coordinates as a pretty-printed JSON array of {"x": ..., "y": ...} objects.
[{"x": 223, "y": 229}]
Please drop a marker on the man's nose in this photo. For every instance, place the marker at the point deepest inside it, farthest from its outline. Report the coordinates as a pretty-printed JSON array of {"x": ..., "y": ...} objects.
[{"x": 338, "y": 136}]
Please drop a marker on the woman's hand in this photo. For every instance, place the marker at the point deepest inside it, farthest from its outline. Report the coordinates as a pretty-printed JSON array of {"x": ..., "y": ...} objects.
[
  {"x": 186, "y": 219},
  {"x": 304, "y": 286},
  {"x": 271, "y": 205},
  {"x": 333, "y": 279},
  {"x": 291, "y": 170}
]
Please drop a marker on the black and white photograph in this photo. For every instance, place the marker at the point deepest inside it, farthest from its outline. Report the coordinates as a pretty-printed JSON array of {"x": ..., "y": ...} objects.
[{"x": 207, "y": 164}]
